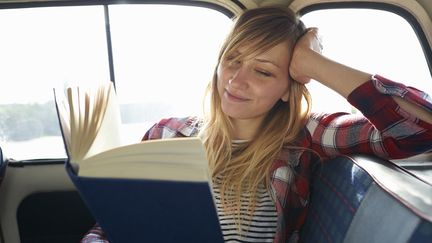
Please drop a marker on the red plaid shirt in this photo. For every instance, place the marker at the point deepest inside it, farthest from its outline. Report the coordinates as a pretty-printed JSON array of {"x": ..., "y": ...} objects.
[{"x": 385, "y": 130}]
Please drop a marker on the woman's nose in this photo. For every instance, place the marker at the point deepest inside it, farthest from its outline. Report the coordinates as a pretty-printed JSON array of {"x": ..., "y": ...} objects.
[{"x": 238, "y": 78}]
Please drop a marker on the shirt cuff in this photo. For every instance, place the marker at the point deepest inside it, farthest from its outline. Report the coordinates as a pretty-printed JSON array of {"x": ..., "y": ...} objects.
[{"x": 368, "y": 97}]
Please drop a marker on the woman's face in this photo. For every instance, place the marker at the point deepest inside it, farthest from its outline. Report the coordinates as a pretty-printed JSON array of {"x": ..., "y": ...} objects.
[{"x": 250, "y": 88}]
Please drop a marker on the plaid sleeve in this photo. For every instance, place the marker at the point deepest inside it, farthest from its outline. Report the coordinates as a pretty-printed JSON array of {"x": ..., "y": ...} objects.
[
  {"x": 173, "y": 127},
  {"x": 95, "y": 235},
  {"x": 385, "y": 130}
]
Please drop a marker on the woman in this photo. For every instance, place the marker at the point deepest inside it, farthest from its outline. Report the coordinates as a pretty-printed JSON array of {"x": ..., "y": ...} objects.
[{"x": 261, "y": 139}]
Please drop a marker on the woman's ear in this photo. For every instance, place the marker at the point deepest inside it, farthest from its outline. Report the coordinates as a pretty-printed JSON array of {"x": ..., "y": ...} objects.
[{"x": 285, "y": 96}]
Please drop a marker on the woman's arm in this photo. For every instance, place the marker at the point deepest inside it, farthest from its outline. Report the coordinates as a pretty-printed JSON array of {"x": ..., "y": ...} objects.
[
  {"x": 397, "y": 120},
  {"x": 307, "y": 63}
]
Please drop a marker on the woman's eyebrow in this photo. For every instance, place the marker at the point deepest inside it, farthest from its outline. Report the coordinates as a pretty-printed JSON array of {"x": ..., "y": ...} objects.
[{"x": 267, "y": 61}]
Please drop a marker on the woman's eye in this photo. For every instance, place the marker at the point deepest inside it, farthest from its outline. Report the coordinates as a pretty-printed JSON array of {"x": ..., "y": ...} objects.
[
  {"x": 263, "y": 73},
  {"x": 233, "y": 62},
  {"x": 229, "y": 58}
]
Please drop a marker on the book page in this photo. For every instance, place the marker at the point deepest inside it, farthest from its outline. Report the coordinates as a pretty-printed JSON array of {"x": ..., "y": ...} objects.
[
  {"x": 90, "y": 119},
  {"x": 106, "y": 121},
  {"x": 180, "y": 159}
]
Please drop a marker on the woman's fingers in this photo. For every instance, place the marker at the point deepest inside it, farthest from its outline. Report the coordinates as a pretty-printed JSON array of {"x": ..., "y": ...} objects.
[
  {"x": 314, "y": 39},
  {"x": 301, "y": 60}
]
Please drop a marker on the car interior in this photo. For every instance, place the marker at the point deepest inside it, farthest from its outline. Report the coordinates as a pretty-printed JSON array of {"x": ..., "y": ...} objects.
[{"x": 47, "y": 43}]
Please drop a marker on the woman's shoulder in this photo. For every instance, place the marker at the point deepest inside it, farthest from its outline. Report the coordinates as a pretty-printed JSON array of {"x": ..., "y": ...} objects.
[{"x": 174, "y": 127}]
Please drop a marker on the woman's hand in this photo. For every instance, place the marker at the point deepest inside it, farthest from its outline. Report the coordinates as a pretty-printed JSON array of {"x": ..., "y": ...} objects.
[
  {"x": 308, "y": 63},
  {"x": 302, "y": 62}
]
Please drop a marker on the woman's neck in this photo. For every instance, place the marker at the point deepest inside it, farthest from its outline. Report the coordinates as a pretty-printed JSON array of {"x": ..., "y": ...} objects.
[{"x": 245, "y": 129}]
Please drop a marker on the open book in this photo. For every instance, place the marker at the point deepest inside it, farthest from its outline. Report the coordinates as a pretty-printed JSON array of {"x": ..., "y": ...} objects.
[
  {"x": 90, "y": 121},
  {"x": 151, "y": 191}
]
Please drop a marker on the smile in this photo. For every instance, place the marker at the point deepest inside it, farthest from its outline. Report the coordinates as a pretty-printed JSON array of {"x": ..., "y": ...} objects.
[{"x": 235, "y": 98}]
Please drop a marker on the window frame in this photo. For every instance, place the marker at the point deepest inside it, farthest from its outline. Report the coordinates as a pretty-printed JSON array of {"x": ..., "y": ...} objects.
[
  {"x": 427, "y": 50},
  {"x": 105, "y": 4},
  {"x": 419, "y": 165},
  {"x": 421, "y": 36}
]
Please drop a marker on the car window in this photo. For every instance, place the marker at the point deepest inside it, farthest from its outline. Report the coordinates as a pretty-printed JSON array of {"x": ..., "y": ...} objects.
[
  {"x": 375, "y": 41},
  {"x": 155, "y": 47},
  {"x": 164, "y": 59},
  {"x": 42, "y": 48}
]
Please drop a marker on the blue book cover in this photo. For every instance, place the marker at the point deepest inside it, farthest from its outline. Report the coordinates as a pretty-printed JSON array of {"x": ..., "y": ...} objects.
[{"x": 139, "y": 210}]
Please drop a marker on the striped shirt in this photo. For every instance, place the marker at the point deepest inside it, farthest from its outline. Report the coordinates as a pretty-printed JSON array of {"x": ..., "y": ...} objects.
[{"x": 259, "y": 227}]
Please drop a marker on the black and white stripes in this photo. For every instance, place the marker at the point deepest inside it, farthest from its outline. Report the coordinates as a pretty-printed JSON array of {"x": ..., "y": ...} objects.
[{"x": 259, "y": 227}]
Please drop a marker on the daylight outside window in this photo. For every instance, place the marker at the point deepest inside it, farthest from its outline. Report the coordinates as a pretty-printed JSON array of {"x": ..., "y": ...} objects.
[
  {"x": 163, "y": 57},
  {"x": 164, "y": 60},
  {"x": 375, "y": 41},
  {"x": 44, "y": 48}
]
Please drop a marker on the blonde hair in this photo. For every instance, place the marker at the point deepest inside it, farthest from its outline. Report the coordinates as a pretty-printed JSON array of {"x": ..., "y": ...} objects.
[{"x": 243, "y": 168}]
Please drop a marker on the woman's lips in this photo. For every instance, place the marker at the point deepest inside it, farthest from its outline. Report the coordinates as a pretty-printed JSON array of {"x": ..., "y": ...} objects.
[{"x": 234, "y": 97}]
